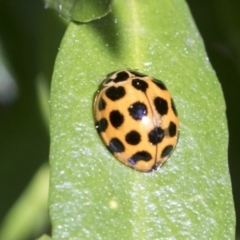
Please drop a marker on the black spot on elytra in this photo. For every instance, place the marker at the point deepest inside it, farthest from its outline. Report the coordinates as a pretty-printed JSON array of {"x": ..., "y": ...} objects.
[
  {"x": 116, "y": 118},
  {"x": 156, "y": 135},
  {"x": 101, "y": 125},
  {"x": 101, "y": 105},
  {"x": 160, "y": 84},
  {"x": 138, "y": 110},
  {"x": 133, "y": 137},
  {"x": 174, "y": 107},
  {"x": 166, "y": 151},
  {"x": 115, "y": 93},
  {"x": 121, "y": 76},
  {"x": 161, "y": 105},
  {"x": 139, "y": 84},
  {"x": 115, "y": 145},
  {"x": 139, "y": 156},
  {"x": 172, "y": 129}
]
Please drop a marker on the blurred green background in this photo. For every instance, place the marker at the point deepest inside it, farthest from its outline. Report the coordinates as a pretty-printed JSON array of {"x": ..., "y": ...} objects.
[{"x": 30, "y": 36}]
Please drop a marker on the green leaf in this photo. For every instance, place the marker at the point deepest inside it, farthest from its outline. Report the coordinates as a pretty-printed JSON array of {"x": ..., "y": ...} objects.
[
  {"x": 29, "y": 213},
  {"x": 44, "y": 237},
  {"x": 81, "y": 10},
  {"x": 43, "y": 96},
  {"x": 92, "y": 195}
]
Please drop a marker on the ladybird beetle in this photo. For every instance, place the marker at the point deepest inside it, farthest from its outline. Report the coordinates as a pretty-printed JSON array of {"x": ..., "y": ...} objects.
[{"x": 136, "y": 118}]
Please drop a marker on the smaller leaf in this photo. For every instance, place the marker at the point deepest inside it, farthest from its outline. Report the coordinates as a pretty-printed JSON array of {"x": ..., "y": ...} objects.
[
  {"x": 44, "y": 237},
  {"x": 29, "y": 213},
  {"x": 43, "y": 97},
  {"x": 81, "y": 10}
]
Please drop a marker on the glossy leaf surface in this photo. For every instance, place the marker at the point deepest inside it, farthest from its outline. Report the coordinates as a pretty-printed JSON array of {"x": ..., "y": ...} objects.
[{"x": 94, "y": 196}]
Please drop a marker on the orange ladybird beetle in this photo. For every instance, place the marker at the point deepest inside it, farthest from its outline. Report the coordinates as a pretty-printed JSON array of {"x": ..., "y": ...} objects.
[{"x": 136, "y": 118}]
